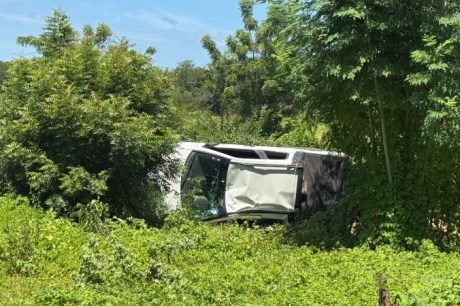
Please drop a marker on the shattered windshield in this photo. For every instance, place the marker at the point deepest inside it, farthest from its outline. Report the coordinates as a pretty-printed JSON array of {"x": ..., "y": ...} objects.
[{"x": 206, "y": 181}]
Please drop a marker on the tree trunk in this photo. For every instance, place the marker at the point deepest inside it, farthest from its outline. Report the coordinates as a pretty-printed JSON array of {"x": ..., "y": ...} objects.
[
  {"x": 373, "y": 145},
  {"x": 384, "y": 298},
  {"x": 384, "y": 133}
]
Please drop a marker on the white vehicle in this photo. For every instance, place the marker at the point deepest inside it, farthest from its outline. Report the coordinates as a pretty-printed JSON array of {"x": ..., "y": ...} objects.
[{"x": 236, "y": 181}]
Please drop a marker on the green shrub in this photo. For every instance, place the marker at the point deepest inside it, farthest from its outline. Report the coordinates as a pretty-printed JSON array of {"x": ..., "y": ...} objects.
[
  {"x": 86, "y": 123},
  {"x": 195, "y": 263},
  {"x": 21, "y": 252},
  {"x": 298, "y": 131},
  {"x": 203, "y": 126}
]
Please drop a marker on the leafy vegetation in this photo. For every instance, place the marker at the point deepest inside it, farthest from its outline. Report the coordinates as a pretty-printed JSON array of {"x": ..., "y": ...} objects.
[
  {"x": 3, "y": 71},
  {"x": 56, "y": 263},
  {"x": 373, "y": 71},
  {"x": 86, "y": 125},
  {"x": 87, "y": 128}
]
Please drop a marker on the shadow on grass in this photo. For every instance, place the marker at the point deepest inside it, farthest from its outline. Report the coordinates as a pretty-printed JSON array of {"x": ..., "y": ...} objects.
[{"x": 324, "y": 230}]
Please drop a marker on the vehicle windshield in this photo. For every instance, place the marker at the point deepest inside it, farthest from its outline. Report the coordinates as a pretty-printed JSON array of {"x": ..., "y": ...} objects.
[{"x": 205, "y": 181}]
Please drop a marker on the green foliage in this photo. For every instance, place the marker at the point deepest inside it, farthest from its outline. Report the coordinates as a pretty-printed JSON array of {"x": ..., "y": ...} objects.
[
  {"x": 189, "y": 91},
  {"x": 244, "y": 80},
  {"x": 3, "y": 71},
  {"x": 91, "y": 216},
  {"x": 327, "y": 230},
  {"x": 437, "y": 62},
  {"x": 382, "y": 76},
  {"x": 81, "y": 185},
  {"x": 86, "y": 126},
  {"x": 300, "y": 132},
  {"x": 57, "y": 35},
  {"x": 205, "y": 127},
  {"x": 21, "y": 252},
  {"x": 194, "y": 263},
  {"x": 117, "y": 265}
]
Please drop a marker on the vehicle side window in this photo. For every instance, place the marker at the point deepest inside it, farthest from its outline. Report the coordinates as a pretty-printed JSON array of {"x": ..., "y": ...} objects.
[{"x": 206, "y": 180}]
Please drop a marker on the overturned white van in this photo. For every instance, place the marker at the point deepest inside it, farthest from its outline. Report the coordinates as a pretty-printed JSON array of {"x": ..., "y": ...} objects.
[{"x": 236, "y": 181}]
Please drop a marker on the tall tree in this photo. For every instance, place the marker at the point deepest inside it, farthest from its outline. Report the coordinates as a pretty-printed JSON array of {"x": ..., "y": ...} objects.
[
  {"x": 86, "y": 122},
  {"x": 360, "y": 66},
  {"x": 244, "y": 76},
  {"x": 57, "y": 34}
]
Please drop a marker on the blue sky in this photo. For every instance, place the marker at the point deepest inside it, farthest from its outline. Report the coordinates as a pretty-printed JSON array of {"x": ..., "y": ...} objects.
[{"x": 173, "y": 27}]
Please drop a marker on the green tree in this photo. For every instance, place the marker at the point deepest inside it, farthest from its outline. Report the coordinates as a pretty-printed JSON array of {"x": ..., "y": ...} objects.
[
  {"x": 86, "y": 121},
  {"x": 359, "y": 75},
  {"x": 245, "y": 80},
  {"x": 436, "y": 90},
  {"x": 57, "y": 34},
  {"x": 189, "y": 87}
]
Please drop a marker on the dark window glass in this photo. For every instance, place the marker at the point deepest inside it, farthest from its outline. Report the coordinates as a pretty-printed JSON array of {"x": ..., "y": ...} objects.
[
  {"x": 276, "y": 155},
  {"x": 238, "y": 153}
]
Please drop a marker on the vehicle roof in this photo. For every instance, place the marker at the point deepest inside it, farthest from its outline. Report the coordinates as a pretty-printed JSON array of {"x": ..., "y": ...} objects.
[
  {"x": 187, "y": 147},
  {"x": 198, "y": 145}
]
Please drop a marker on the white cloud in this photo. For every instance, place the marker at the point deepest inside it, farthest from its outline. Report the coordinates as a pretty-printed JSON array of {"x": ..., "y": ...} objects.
[
  {"x": 145, "y": 37},
  {"x": 167, "y": 21},
  {"x": 35, "y": 19},
  {"x": 11, "y": 5}
]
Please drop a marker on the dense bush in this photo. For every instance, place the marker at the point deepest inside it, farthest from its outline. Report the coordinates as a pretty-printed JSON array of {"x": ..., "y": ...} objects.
[
  {"x": 86, "y": 123},
  {"x": 203, "y": 126},
  {"x": 189, "y": 263}
]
